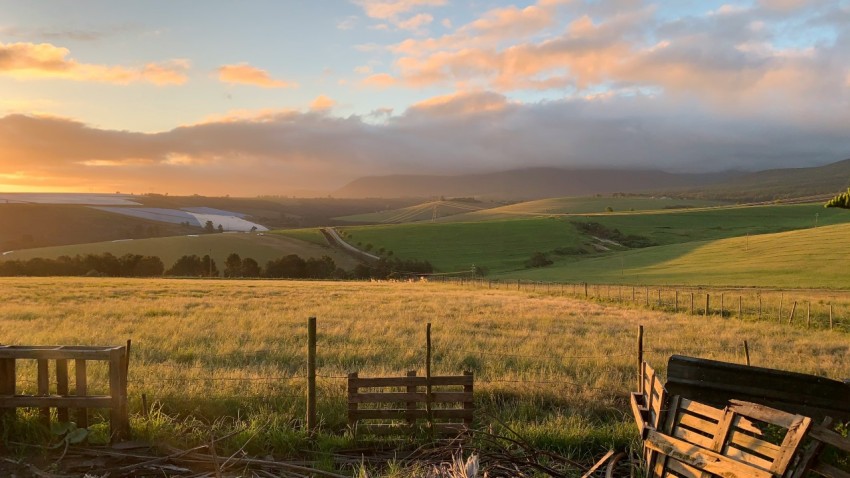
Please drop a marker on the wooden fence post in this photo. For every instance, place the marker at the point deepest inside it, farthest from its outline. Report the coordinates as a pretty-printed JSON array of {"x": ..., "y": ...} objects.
[
  {"x": 44, "y": 389},
  {"x": 747, "y": 352},
  {"x": 779, "y": 315},
  {"x": 428, "y": 397},
  {"x": 62, "y": 388},
  {"x": 692, "y": 303},
  {"x": 808, "y": 314},
  {"x": 706, "y": 305},
  {"x": 659, "y": 297},
  {"x": 352, "y": 405},
  {"x": 468, "y": 405},
  {"x": 311, "y": 376},
  {"x": 793, "y": 309},
  {"x": 585, "y": 290},
  {"x": 830, "y": 316},
  {"x": 676, "y": 303},
  {"x": 411, "y": 406},
  {"x": 759, "y": 317},
  {"x": 722, "y": 311}
]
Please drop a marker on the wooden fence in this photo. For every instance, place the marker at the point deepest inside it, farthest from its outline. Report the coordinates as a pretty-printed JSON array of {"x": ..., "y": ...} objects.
[
  {"x": 117, "y": 358},
  {"x": 400, "y": 402}
]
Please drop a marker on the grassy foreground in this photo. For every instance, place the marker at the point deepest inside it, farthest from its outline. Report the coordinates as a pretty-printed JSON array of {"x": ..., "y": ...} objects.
[{"x": 217, "y": 356}]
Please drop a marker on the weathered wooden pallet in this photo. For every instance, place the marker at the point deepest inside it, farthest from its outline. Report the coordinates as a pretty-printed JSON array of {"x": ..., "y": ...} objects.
[{"x": 400, "y": 403}]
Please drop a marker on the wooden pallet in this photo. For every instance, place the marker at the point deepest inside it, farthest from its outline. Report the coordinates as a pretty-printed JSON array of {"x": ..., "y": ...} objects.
[
  {"x": 117, "y": 358},
  {"x": 400, "y": 403}
]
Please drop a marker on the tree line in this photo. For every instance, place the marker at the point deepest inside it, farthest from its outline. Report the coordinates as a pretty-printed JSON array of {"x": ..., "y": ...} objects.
[{"x": 291, "y": 266}]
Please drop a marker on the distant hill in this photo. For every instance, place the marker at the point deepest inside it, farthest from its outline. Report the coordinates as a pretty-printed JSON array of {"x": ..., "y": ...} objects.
[
  {"x": 530, "y": 183},
  {"x": 774, "y": 184}
]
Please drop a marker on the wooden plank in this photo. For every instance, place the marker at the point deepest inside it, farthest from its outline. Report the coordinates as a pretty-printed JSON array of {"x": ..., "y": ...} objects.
[
  {"x": 467, "y": 404},
  {"x": 694, "y": 422},
  {"x": 31, "y": 401},
  {"x": 81, "y": 386},
  {"x": 702, "y": 459},
  {"x": 401, "y": 414},
  {"x": 412, "y": 404},
  {"x": 43, "y": 380},
  {"x": 829, "y": 437},
  {"x": 683, "y": 469},
  {"x": 416, "y": 397},
  {"x": 62, "y": 388},
  {"x": 598, "y": 464},
  {"x": 701, "y": 409},
  {"x": 638, "y": 413},
  {"x": 352, "y": 406},
  {"x": 746, "y": 457},
  {"x": 693, "y": 437},
  {"x": 789, "y": 447},
  {"x": 7, "y": 387},
  {"x": 375, "y": 382},
  {"x": 742, "y": 440},
  {"x": 763, "y": 413},
  {"x": 715, "y": 382},
  {"x": 116, "y": 428}
]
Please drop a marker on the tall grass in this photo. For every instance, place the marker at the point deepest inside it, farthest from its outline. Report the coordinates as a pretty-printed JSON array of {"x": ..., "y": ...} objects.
[{"x": 230, "y": 355}]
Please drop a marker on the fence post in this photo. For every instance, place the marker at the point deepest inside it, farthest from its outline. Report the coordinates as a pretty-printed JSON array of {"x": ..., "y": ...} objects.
[
  {"x": 311, "y": 376},
  {"x": 411, "y": 406},
  {"x": 830, "y": 316},
  {"x": 793, "y": 309},
  {"x": 640, "y": 359},
  {"x": 706, "y": 305},
  {"x": 722, "y": 311},
  {"x": 808, "y": 314},
  {"x": 759, "y": 317},
  {"x": 659, "y": 297},
  {"x": 352, "y": 405},
  {"x": 44, "y": 389},
  {"x": 428, "y": 380},
  {"x": 585, "y": 290},
  {"x": 676, "y": 303},
  {"x": 692, "y": 303},
  {"x": 779, "y": 315},
  {"x": 747, "y": 351},
  {"x": 468, "y": 405},
  {"x": 646, "y": 295}
]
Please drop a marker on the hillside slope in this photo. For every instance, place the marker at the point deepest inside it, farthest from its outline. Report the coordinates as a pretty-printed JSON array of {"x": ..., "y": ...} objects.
[
  {"x": 810, "y": 258},
  {"x": 261, "y": 247},
  {"x": 531, "y": 183}
]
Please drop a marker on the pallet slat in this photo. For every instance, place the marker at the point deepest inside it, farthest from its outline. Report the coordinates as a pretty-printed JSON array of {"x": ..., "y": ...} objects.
[
  {"x": 393, "y": 397},
  {"x": 376, "y": 382}
]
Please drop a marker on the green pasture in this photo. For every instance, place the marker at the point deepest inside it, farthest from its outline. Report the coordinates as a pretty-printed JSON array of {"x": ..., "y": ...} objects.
[
  {"x": 814, "y": 257},
  {"x": 505, "y": 245},
  {"x": 261, "y": 247}
]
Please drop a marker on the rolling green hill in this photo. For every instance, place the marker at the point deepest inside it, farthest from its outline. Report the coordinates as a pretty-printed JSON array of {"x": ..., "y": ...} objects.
[
  {"x": 580, "y": 205},
  {"x": 262, "y": 248},
  {"x": 815, "y": 257},
  {"x": 419, "y": 212},
  {"x": 505, "y": 245}
]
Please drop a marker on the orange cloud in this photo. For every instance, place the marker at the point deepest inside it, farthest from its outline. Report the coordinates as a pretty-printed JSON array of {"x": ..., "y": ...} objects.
[
  {"x": 44, "y": 60},
  {"x": 415, "y": 22},
  {"x": 379, "y": 80},
  {"x": 322, "y": 103},
  {"x": 390, "y": 9},
  {"x": 245, "y": 74}
]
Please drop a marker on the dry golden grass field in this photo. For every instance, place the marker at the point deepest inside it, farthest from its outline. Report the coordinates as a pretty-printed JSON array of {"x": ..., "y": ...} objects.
[{"x": 215, "y": 356}]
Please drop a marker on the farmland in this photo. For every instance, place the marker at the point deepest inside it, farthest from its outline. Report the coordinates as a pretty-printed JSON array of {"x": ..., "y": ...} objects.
[
  {"x": 503, "y": 246},
  {"x": 555, "y": 369},
  {"x": 261, "y": 247}
]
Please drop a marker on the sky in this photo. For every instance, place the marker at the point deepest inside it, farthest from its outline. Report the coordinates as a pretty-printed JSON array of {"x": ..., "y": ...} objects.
[{"x": 284, "y": 97}]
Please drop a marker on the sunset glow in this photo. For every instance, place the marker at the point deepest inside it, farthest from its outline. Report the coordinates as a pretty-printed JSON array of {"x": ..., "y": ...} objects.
[{"x": 280, "y": 97}]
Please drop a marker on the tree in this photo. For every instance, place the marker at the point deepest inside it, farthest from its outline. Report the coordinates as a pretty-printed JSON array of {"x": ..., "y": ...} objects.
[
  {"x": 186, "y": 266},
  {"x": 290, "y": 266},
  {"x": 209, "y": 268},
  {"x": 233, "y": 266},
  {"x": 220, "y": 228},
  {"x": 209, "y": 227},
  {"x": 250, "y": 268},
  {"x": 842, "y": 200}
]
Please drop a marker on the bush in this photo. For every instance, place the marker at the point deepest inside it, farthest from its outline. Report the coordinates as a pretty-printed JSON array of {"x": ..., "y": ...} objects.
[{"x": 538, "y": 259}]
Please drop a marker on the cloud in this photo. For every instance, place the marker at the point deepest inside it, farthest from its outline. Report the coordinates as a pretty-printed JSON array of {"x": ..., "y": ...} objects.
[
  {"x": 379, "y": 80},
  {"x": 416, "y": 22},
  {"x": 391, "y": 9},
  {"x": 245, "y": 74},
  {"x": 47, "y": 61},
  {"x": 277, "y": 151},
  {"x": 322, "y": 103}
]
